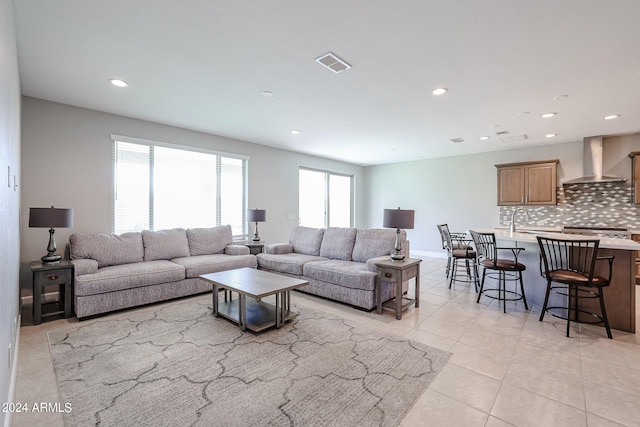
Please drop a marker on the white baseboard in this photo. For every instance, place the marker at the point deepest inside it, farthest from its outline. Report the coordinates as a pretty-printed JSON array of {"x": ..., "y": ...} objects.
[
  {"x": 14, "y": 372},
  {"x": 429, "y": 254}
]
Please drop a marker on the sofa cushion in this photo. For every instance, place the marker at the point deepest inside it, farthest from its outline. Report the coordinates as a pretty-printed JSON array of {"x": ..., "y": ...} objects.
[
  {"x": 107, "y": 249},
  {"x": 373, "y": 243},
  {"x": 165, "y": 244},
  {"x": 207, "y": 241},
  {"x": 204, "y": 264},
  {"x": 349, "y": 274},
  {"x": 286, "y": 263},
  {"x": 279, "y": 248},
  {"x": 337, "y": 243},
  {"x": 306, "y": 240},
  {"x": 237, "y": 250},
  {"x": 120, "y": 277}
]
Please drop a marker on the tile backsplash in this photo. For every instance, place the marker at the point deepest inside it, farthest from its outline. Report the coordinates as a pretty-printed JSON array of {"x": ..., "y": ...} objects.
[{"x": 607, "y": 204}]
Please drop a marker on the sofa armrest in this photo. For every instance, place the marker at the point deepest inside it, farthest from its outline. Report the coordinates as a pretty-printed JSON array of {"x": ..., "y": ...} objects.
[
  {"x": 279, "y": 248},
  {"x": 371, "y": 262},
  {"x": 85, "y": 266},
  {"x": 236, "y": 250}
]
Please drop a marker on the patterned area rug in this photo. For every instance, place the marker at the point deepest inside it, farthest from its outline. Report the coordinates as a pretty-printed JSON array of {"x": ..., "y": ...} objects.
[{"x": 175, "y": 364}]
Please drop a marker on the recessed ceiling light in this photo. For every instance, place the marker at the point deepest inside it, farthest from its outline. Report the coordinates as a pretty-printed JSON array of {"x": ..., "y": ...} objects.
[
  {"x": 296, "y": 132},
  {"x": 524, "y": 113},
  {"x": 484, "y": 138},
  {"x": 494, "y": 125},
  {"x": 612, "y": 116},
  {"x": 548, "y": 115},
  {"x": 118, "y": 82},
  {"x": 267, "y": 93},
  {"x": 439, "y": 91},
  {"x": 560, "y": 97},
  {"x": 551, "y": 135}
]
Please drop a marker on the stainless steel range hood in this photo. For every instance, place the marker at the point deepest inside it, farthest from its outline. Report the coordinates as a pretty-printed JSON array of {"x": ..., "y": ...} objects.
[{"x": 592, "y": 163}]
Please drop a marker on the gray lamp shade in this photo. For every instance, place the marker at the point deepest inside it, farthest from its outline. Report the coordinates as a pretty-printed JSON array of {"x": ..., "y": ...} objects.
[
  {"x": 50, "y": 217},
  {"x": 256, "y": 215},
  {"x": 398, "y": 218}
]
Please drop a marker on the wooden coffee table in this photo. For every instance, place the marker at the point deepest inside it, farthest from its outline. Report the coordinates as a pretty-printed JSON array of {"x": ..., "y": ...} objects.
[{"x": 253, "y": 313}]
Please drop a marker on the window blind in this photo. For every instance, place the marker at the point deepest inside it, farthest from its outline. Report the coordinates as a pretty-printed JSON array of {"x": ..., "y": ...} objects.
[{"x": 161, "y": 186}]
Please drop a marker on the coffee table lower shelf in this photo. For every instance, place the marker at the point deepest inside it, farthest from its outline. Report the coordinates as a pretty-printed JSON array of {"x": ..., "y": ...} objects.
[{"x": 260, "y": 315}]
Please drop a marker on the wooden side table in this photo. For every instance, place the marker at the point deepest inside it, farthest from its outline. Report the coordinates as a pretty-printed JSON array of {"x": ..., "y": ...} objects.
[
  {"x": 60, "y": 274},
  {"x": 255, "y": 247},
  {"x": 397, "y": 272}
]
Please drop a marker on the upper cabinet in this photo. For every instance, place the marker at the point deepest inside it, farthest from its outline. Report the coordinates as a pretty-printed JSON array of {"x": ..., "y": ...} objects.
[{"x": 528, "y": 183}]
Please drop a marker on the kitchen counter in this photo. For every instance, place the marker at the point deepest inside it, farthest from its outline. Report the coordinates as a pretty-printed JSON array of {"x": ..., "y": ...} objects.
[
  {"x": 529, "y": 235},
  {"x": 620, "y": 296}
]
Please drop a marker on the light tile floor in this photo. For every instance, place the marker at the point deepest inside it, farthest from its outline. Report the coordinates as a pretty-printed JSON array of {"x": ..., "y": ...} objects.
[{"x": 505, "y": 369}]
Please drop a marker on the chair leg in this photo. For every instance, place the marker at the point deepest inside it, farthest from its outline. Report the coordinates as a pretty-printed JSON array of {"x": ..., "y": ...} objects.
[
  {"x": 448, "y": 266},
  {"x": 502, "y": 283},
  {"x": 605, "y": 320},
  {"x": 575, "y": 306},
  {"x": 484, "y": 272},
  {"x": 475, "y": 274},
  {"x": 546, "y": 301},
  {"x": 453, "y": 272},
  {"x": 524, "y": 298},
  {"x": 466, "y": 261}
]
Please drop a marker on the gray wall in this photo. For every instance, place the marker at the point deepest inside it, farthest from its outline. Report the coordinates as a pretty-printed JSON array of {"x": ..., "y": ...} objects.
[
  {"x": 66, "y": 155},
  {"x": 9, "y": 199},
  {"x": 460, "y": 190}
]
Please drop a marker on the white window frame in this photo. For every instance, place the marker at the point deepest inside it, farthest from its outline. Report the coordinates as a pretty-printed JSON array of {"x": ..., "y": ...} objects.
[
  {"x": 151, "y": 143},
  {"x": 327, "y": 193}
]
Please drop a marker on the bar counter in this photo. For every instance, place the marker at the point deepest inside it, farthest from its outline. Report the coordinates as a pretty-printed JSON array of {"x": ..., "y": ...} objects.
[{"x": 620, "y": 296}]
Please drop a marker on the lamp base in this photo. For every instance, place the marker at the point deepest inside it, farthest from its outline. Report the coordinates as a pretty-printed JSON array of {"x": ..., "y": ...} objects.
[
  {"x": 256, "y": 238},
  {"x": 397, "y": 257},
  {"x": 51, "y": 258}
]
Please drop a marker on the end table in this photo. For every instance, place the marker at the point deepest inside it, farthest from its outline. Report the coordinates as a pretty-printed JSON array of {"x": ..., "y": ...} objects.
[
  {"x": 397, "y": 272},
  {"x": 55, "y": 274},
  {"x": 255, "y": 246}
]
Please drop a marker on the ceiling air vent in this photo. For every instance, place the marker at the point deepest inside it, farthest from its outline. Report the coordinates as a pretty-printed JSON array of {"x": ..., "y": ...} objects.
[
  {"x": 456, "y": 140},
  {"x": 513, "y": 138},
  {"x": 332, "y": 62},
  {"x": 502, "y": 132}
]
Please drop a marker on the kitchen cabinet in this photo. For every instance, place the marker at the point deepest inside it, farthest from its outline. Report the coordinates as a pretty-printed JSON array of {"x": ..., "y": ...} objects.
[
  {"x": 527, "y": 183},
  {"x": 635, "y": 176},
  {"x": 636, "y": 237}
]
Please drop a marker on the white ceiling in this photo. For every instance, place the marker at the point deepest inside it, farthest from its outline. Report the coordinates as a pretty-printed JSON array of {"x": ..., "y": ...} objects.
[{"x": 203, "y": 65}]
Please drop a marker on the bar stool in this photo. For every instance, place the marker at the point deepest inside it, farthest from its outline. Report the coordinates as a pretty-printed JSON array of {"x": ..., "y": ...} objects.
[
  {"x": 452, "y": 241},
  {"x": 569, "y": 267},
  {"x": 459, "y": 249},
  {"x": 506, "y": 270}
]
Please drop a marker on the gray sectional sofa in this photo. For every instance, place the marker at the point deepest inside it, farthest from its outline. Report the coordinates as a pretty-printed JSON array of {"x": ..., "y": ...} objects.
[
  {"x": 339, "y": 263},
  {"x": 113, "y": 272}
]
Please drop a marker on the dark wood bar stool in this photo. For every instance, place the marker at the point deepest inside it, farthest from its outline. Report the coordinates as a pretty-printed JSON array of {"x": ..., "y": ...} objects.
[
  {"x": 569, "y": 267},
  {"x": 502, "y": 269}
]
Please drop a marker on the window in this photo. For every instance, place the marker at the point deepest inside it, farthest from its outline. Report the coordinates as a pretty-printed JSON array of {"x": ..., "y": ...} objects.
[
  {"x": 325, "y": 199},
  {"x": 157, "y": 187}
]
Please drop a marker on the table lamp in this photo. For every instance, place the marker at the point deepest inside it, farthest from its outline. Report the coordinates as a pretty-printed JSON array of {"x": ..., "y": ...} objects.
[
  {"x": 50, "y": 218},
  {"x": 398, "y": 218},
  {"x": 256, "y": 215}
]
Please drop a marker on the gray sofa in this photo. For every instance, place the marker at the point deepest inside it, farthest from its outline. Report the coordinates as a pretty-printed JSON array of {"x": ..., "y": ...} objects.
[
  {"x": 113, "y": 272},
  {"x": 339, "y": 263}
]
